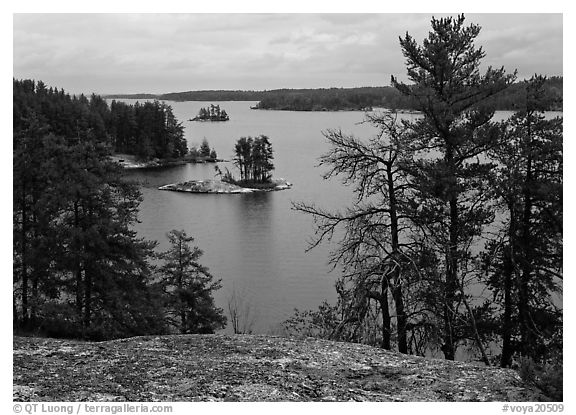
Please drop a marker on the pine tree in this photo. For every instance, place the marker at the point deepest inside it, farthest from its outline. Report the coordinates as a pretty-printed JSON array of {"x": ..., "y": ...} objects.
[
  {"x": 79, "y": 268},
  {"x": 108, "y": 265},
  {"x": 32, "y": 214},
  {"x": 265, "y": 165},
  {"x": 253, "y": 157},
  {"x": 205, "y": 148},
  {"x": 243, "y": 157},
  {"x": 455, "y": 130},
  {"x": 176, "y": 143},
  {"x": 188, "y": 287},
  {"x": 527, "y": 270}
]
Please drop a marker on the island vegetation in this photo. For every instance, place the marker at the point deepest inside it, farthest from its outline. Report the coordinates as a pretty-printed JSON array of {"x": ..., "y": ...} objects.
[
  {"x": 253, "y": 158},
  {"x": 211, "y": 113},
  {"x": 203, "y": 153}
]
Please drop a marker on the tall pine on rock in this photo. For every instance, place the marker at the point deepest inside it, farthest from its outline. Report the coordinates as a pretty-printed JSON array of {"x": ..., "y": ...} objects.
[
  {"x": 455, "y": 130},
  {"x": 526, "y": 262}
]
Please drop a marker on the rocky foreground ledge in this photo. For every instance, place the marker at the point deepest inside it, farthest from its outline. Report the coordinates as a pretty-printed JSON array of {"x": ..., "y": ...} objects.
[
  {"x": 220, "y": 187},
  {"x": 246, "y": 368}
]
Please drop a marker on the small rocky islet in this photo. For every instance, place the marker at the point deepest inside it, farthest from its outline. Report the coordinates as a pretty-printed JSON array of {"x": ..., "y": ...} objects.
[{"x": 222, "y": 187}]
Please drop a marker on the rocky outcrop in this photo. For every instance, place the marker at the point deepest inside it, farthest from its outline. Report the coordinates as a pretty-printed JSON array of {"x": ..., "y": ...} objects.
[
  {"x": 220, "y": 187},
  {"x": 247, "y": 368},
  {"x": 130, "y": 162}
]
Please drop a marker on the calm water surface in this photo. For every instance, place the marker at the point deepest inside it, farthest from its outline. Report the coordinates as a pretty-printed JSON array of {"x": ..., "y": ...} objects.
[{"x": 255, "y": 242}]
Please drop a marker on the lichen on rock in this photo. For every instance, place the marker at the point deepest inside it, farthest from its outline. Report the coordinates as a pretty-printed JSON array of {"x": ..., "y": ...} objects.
[{"x": 247, "y": 368}]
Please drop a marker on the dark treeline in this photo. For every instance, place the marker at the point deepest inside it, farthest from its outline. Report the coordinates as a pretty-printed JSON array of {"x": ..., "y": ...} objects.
[
  {"x": 208, "y": 95},
  {"x": 513, "y": 98},
  {"x": 334, "y": 99},
  {"x": 132, "y": 96},
  {"x": 147, "y": 130},
  {"x": 79, "y": 270},
  {"x": 296, "y": 99},
  {"x": 216, "y": 95},
  {"x": 454, "y": 240}
]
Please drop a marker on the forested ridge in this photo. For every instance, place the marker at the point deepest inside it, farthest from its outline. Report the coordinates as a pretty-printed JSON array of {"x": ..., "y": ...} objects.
[
  {"x": 147, "y": 130},
  {"x": 334, "y": 99},
  {"x": 79, "y": 269}
]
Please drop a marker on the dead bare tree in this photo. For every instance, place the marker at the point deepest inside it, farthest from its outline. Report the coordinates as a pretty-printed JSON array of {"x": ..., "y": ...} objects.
[{"x": 240, "y": 311}]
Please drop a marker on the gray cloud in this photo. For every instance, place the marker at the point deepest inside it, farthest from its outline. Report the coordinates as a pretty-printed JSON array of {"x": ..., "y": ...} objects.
[{"x": 109, "y": 53}]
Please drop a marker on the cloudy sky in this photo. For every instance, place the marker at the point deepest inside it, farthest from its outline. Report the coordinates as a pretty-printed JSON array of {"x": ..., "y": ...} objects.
[{"x": 157, "y": 53}]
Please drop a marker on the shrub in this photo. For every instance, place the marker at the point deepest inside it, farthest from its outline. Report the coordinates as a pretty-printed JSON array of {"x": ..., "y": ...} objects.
[{"x": 548, "y": 376}]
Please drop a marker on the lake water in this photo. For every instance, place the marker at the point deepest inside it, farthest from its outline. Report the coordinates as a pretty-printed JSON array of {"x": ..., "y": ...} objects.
[{"x": 255, "y": 242}]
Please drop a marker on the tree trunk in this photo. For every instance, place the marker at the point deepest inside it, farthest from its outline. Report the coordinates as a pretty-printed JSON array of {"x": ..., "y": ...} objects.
[
  {"x": 526, "y": 257},
  {"x": 477, "y": 338},
  {"x": 24, "y": 254},
  {"x": 401, "y": 320},
  {"x": 182, "y": 320},
  {"x": 397, "y": 287},
  {"x": 87, "y": 297},
  {"x": 36, "y": 267},
  {"x": 35, "y": 299},
  {"x": 89, "y": 268},
  {"x": 385, "y": 314},
  {"x": 506, "y": 357},
  {"x": 451, "y": 283},
  {"x": 78, "y": 265},
  {"x": 15, "y": 320},
  {"x": 180, "y": 284},
  {"x": 509, "y": 268}
]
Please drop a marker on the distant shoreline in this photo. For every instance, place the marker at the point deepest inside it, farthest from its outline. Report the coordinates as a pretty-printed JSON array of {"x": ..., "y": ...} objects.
[{"x": 342, "y": 99}]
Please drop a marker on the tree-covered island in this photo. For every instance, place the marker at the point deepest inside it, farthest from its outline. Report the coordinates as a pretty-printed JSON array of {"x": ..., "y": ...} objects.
[
  {"x": 211, "y": 113},
  {"x": 140, "y": 135},
  {"x": 253, "y": 158}
]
